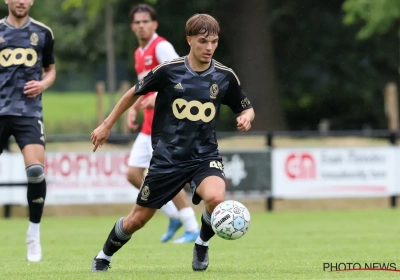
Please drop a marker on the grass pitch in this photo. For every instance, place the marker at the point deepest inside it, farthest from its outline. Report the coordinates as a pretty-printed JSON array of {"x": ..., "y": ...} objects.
[{"x": 277, "y": 246}]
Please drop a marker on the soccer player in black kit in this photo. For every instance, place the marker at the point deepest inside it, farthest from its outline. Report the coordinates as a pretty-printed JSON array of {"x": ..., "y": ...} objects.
[
  {"x": 26, "y": 70},
  {"x": 190, "y": 90}
]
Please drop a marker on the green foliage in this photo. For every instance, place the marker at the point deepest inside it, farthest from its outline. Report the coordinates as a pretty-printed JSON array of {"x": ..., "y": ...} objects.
[
  {"x": 377, "y": 17},
  {"x": 324, "y": 72},
  {"x": 93, "y": 7}
]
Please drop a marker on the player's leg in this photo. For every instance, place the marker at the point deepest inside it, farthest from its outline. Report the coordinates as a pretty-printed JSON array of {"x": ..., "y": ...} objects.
[
  {"x": 188, "y": 218},
  {"x": 154, "y": 193},
  {"x": 208, "y": 185},
  {"x": 29, "y": 134},
  {"x": 139, "y": 160},
  {"x": 120, "y": 234}
]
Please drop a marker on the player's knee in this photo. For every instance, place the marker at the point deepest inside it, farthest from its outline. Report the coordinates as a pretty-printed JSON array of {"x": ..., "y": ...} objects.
[
  {"x": 35, "y": 173},
  {"x": 135, "y": 222},
  {"x": 131, "y": 178},
  {"x": 134, "y": 178},
  {"x": 213, "y": 201}
]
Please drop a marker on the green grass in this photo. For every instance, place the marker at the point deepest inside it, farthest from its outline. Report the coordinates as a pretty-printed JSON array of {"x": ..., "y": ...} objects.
[
  {"x": 71, "y": 112},
  {"x": 277, "y": 246}
]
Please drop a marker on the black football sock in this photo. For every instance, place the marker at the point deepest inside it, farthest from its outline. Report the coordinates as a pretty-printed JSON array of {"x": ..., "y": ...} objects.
[
  {"x": 116, "y": 239},
  {"x": 36, "y": 193},
  {"x": 206, "y": 231}
]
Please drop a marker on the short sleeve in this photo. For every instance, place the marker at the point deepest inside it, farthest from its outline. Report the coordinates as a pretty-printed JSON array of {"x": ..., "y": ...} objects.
[
  {"x": 235, "y": 97},
  {"x": 165, "y": 52},
  {"x": 48, "y": 50},
  {"x": 150, "y": 83}
]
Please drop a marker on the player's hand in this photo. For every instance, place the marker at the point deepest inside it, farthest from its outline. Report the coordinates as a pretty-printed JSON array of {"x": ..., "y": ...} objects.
[
  {"x": 99, "y": 136},
  {"x": 148, "y": 102},
  {"x": 33, "y": 89},
  {"x": 243, "y": 123},
  {"x": 131, "y": 119}
]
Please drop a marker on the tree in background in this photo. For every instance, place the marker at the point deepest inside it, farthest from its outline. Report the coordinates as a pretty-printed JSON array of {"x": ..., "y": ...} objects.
[
  {"x": 324, "y": 69},
  {"x": 249, "y": 36},
  {"x": 324, "y": 72},
  {"x": 375, "y": 17},
  {"x": 250, "y": 52}
]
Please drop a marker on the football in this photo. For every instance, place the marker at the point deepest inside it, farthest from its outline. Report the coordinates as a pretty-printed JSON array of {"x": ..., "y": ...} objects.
[{"x": 230, "y": 220}]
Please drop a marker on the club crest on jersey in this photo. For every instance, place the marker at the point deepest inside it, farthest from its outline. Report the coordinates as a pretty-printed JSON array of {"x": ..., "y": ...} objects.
[
  {"x": 214, "y": 91},
  {"x": 145, "y": 193},
  {"x": 148, "y": 60},
  {"x": 34, "y": 39},
  {"x": 141, "y": 82}
]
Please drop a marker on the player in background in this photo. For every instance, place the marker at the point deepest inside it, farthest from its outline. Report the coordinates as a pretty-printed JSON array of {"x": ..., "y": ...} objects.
[
  {"x": 26, "y": 69},
  {"x": 152, "y": 51},
  {"x": 191, "y": 90}
]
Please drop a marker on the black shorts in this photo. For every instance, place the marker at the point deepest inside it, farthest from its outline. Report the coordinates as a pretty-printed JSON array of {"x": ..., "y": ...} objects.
[
  {"x": 26, "y": 130},
  {"x": 159, "y": 188}
]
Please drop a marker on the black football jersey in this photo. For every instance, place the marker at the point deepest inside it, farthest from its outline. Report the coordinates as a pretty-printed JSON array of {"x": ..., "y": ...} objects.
[
  {"x": 186, "y": 111},
  {"x": 24, "y": 52}
]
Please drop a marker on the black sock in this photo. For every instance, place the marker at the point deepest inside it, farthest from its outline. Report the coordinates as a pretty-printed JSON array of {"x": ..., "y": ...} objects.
[
  {"x": 36, "y": 195},
  {"x": 116, "y": 239},
  {"x": 206, "y": 231}
]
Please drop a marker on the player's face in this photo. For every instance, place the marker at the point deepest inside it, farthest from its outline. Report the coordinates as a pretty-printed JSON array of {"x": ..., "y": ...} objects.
[
  {"x": 203, "y": 47},
  {"x": 143, "y": 26},
  {"x": 19, "y": 8}
]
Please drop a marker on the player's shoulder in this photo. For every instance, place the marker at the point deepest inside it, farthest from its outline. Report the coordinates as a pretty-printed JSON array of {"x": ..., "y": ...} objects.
[
  {"x": 226, "y": 70},
  {"x": 2, "y": 23},
  {"x": 42, "y": 26},
  {"x": 160, "y": 39},
  {"x": 168, "y": 65}
]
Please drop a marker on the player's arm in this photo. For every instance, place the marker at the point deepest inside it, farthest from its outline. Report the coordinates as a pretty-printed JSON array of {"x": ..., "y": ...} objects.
[
  {"x": 34, "y": 88},
  {"x": 126, "y": 101},
  {"x": 245, "y": 119},
  {"x": 49, "y": 76},
  {"x": 132, "y": 114},
  {"x": 152, "y": 82},
  {"x": 237, "y": 100}
]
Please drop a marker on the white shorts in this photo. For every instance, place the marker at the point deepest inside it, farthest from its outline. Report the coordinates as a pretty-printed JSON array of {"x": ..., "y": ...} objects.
[{"x": 141, "y": 151}]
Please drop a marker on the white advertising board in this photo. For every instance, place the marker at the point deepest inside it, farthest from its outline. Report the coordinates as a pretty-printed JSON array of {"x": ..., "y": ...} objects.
[
  {"x": 86, "y": 178},
  {"x": 72, "y": 178},
  {"x": 334, "y": 172},
  {"x": 12, "y": 170}
]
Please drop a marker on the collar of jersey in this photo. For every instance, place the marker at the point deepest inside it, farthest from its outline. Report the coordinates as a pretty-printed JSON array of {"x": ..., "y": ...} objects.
[
  {"x": 13, "y": 27},
  {"x": 155, "y": 35},
  {"x": 210, "y": 69}
]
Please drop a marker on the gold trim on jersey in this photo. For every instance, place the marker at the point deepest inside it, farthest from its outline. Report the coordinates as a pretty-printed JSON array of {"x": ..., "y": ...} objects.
[
  {"x": 176, "y": 60},
  {"x": 43, "y": 25},
  {"x": 2, "y": 21},
  {"x": 223, "y": 67}
]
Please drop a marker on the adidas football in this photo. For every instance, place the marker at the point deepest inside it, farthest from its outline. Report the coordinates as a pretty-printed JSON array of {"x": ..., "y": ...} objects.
[{"x": 230, "y": 220}]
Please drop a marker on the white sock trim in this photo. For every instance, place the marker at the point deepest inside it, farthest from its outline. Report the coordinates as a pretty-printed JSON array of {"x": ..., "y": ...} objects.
[
  {"x": 101, "y": 255},
  {"x": 200, "y": 241},
  {"x": 33, "y": 230},
  {"x": 188, "y": 218}
]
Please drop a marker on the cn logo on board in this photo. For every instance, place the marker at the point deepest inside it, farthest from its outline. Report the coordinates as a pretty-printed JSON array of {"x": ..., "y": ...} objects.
[{"x": 300, "y": 166}]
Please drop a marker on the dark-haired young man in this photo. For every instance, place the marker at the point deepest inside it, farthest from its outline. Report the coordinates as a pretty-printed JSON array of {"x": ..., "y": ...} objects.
[
  {"x": 190, "y": 90},
  {"x": 152, "y": 51}
]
